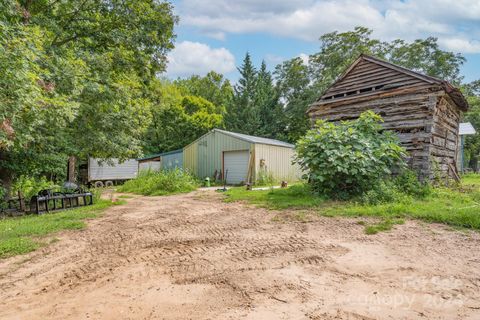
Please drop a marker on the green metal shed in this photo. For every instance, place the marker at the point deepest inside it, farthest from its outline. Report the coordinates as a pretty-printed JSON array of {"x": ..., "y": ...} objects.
[{"x": 243, "y": 158}]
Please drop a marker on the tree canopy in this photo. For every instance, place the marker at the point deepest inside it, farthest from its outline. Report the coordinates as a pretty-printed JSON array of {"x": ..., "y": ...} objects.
[
  {"x": 300, "y": 83},
  {"x": 84, "y": 78},
  {"x": 77, "y": 79}
]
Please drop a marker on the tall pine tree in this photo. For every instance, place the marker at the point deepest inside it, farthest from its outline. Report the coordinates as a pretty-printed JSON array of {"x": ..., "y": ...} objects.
[
  {"x": 242, "y": 115},
  {"x": 270, "y": 111},
  {"x": 255, "y": 107}
]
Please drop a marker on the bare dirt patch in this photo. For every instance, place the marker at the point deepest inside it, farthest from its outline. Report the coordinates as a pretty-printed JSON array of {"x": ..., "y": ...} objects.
[{"x": 194, "y": 257}]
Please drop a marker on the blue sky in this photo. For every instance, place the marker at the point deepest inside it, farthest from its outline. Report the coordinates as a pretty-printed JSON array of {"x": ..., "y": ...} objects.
[{"x": 215, "y": 34}]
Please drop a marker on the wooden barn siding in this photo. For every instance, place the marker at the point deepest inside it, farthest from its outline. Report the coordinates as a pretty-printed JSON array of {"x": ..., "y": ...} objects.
[
  {"x": 367, "y": 74},
  {"x": 410, "y": 115},
  {"x": 445, "y": 136}
]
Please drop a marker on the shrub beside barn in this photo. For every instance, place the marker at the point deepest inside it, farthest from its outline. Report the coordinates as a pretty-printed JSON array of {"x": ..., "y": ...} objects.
[
  {"x": 424, "y": 111},
  {"x": 243, "y": 158}
]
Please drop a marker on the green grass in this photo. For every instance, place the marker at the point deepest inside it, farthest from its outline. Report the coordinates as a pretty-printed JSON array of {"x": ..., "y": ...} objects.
[
  {"x": 384, "y": 225},
  {"x": 159, "y": 183},
  {"x": 471, "y": 179},
  {"x": 458, "y": 207},
  {"x": 295, "y": 197},
  {"x": 449, "y": 206},
  {"x": 19, "y": 235}
]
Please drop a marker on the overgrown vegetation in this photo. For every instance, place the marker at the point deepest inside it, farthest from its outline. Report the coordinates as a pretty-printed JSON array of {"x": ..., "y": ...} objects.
[
  {"x": 457, "y": 206},
  {"x": 79, "y": 80},
  {"x": 401, "y": 188},
  {"x": 29, "y": 186},
  {"x": 96, "y": 76},
  {"x": 298, "y": 196},
  {"x": 265, "y": 178},
  {"x": 19, "y": 235},
  {"x": 347, "y": 159},
  {"x": 159, "y": 183}
]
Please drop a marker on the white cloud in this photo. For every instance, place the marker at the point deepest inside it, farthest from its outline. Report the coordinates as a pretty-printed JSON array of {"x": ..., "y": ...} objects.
[
  {"x": 455, "y": 22},
  {"x": 462, "y": 45},
  {"x": 273, "y": 59},
  {"x": 198, "y": 58},
  {"x": 305, "y": 58}
]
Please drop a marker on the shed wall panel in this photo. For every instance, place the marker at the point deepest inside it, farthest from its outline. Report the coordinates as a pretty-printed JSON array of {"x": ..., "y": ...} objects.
[
  {"x": 172, "y": 161},
  {"x": 278, "y": 161},
  {"x": 190, "y": 162},
  {"x": 204, "y": 156},
  {"x": 149, "y": 165}
]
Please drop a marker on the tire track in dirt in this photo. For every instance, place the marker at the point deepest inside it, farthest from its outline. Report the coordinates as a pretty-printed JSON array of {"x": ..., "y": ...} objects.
[{"x": 149, "y": 246}]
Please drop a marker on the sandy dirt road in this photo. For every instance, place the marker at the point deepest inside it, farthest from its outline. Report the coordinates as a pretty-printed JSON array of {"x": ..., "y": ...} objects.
[{"x": 194, "y": 257}]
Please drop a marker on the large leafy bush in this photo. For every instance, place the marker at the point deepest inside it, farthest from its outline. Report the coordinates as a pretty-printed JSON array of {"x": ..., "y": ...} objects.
[{"x": 347, "y": 159}]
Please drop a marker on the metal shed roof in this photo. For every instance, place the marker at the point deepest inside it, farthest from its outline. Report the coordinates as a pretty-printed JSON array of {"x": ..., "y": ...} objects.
[
  {"x": 466, "y": 128},
  {"x": 254, "y": 139},
  {"x": 159, "y": 154}
]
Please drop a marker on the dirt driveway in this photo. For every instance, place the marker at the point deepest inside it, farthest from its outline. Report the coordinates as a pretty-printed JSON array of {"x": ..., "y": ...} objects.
[{"x": 194, "y": 257}]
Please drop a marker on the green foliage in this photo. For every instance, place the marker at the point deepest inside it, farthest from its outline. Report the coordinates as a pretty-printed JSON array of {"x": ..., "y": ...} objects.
[
  {"x": 265, "y": 178},
  {"x": 255, "y": 107},
  {"x": 20, "y": 235},
  {"x": 347, "y": 159},
  {"x": 77, "y": 74},
  {"x": 401, "y": 188},
  {"x": 471, "y": 179},
  {"x": 384, "y": 225},
  {"x": 294, "y": 86},
  {"x": 159, "y": 183},
  {"x": 242, "y": 113},
  {"x": 270, "y": 111},
  {"x": 300, "y": 82},
  {"x": 384, "y": 192},
  {"x": 30, "y": 186},
  {"x": 472, "y": 142},
  {"x": 409, "y": 183},
  {"x": 457, "y": 207},
  {"x": 298, "y": 196},
  {"x": 3, "y": 196},
  {"x": 213, "y": 87},
  {"x": 453, "y": 207},
  {"x": 178, "y": 118}
]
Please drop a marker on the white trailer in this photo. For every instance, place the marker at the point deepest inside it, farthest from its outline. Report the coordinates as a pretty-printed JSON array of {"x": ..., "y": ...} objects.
[{"x": 107, "y": 172}]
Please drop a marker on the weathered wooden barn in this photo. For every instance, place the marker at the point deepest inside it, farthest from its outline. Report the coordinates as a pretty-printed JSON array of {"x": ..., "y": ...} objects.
[{"x": 423, "y": 110}]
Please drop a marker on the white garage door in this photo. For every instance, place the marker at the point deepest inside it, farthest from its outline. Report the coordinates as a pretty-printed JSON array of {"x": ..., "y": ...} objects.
[{"x": 236, "y": 162}]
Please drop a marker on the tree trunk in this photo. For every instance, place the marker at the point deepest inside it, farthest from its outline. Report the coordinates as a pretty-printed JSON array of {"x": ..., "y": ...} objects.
[{"x": 71, "y": 170}]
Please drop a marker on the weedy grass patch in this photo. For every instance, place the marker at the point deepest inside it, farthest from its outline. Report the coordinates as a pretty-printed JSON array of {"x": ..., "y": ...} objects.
[
  {"x": 19, "y": 235},
  {"x": 159, "y": 183},
  {"x": 471, "y": 179},
  {"x": 454, "y": 207},
  {"x": 457, "y": 206},
  {"x": 298, "y": 196}
]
